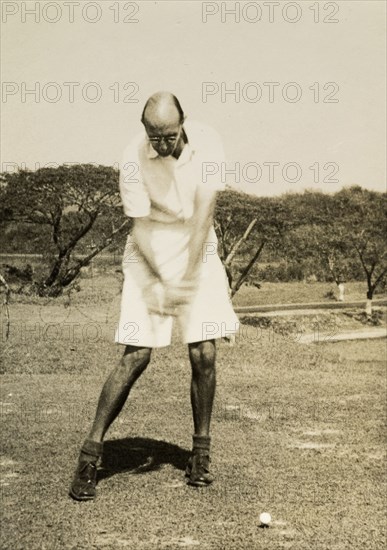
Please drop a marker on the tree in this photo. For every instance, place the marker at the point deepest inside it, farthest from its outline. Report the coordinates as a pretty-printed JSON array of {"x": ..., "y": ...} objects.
[
  {"x": 245, "y": 225},
  {"x": 318, "y": 242},
  {"x": 343, "y": 234},
  {"x": 68, "y": 202},
  {"x": 362, "y": 215}
]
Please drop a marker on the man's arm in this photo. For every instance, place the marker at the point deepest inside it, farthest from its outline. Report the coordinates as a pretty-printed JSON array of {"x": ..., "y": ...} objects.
[
  {"x": 135, "y": 198},
  {"x": 212, "y": 154},
  {"x": 201, "y": 221},
  {"x": 147, "y": 255},
  {"x": 181, "y": 293}
]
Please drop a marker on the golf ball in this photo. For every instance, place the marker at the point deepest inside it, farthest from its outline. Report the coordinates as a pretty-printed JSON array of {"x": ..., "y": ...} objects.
[{"x": 265, "y": 518}]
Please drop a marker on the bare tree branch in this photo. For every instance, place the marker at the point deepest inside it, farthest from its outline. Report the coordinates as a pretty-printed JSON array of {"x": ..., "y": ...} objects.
[{"x": 5, "y": 304}]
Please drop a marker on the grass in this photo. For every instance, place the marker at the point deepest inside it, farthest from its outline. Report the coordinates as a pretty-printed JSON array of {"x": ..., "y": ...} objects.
[
  {"x": 298, "y": 292},
  {"x": 104, "y": 275},
  {"x": 298, "y": 431}
]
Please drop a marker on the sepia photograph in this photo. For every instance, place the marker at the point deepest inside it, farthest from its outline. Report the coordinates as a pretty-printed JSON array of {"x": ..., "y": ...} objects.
[{"x": 193, "y": 275}]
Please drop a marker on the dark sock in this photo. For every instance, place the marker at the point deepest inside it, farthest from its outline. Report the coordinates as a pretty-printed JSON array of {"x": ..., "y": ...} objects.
[
  {"x": 91, "y": 451},
  {"x": 201, "y": 444}
]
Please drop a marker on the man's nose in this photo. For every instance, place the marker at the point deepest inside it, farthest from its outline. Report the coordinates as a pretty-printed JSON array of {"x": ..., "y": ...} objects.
[{"x": 163, "y": 146}]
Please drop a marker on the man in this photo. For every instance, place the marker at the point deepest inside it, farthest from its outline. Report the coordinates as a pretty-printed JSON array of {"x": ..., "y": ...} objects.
[{"x": 171, "y": 271}]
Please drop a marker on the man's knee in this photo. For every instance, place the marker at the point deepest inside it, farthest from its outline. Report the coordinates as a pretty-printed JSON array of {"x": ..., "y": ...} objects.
[
  {"x": 135, "y": 359},
  {"x": 202, "y": 356}
]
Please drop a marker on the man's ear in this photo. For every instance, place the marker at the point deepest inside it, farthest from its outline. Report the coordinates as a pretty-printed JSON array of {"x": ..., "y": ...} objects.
[{"x": 184, "y": 134}]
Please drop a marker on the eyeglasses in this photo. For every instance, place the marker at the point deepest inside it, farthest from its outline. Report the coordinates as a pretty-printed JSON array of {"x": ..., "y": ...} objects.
[
  {"x": 172, "y": 138},
  {"x": 159, "y": 139}
]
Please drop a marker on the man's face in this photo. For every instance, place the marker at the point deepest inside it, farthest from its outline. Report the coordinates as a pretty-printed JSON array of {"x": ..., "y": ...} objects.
[{"x": 164, "y": 138}]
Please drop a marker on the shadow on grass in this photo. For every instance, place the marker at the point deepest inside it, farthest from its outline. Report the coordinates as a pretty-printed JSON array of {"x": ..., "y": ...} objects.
[{"x": 139, "y": 455}]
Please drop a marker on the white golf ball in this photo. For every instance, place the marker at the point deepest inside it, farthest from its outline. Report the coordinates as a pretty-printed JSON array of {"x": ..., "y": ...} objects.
[{"x": 265, "y": 518}]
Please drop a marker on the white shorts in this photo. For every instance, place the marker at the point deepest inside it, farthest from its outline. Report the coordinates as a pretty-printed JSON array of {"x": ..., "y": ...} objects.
[{"x": 210, "y": 315}]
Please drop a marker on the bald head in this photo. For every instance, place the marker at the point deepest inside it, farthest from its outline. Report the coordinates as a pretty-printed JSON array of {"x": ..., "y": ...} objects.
[
  {"x": 163, "y": 119},
  {"x": 162, "y": 109}
]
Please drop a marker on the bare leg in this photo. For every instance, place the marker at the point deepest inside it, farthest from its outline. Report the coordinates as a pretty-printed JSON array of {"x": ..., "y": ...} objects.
[
  {"x": 202, "y": 356},
  {"x": 203, "y": 382},
  {"x": 117, "y": 388},
  {"x": 112, "y": 399}
]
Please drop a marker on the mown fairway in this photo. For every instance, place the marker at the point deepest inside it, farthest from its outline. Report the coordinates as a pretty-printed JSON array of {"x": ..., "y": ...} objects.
[{"x": 298, "y": 431}]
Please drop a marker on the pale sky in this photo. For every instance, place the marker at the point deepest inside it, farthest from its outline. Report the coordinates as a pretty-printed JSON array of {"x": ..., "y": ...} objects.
[{"x": 171, "y": 48}]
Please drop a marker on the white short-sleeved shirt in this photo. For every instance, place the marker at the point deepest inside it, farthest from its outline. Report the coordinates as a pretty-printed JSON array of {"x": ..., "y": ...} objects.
[
  {"x": 159, "y": 193},
  {"x": 163, "y": 189}
]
